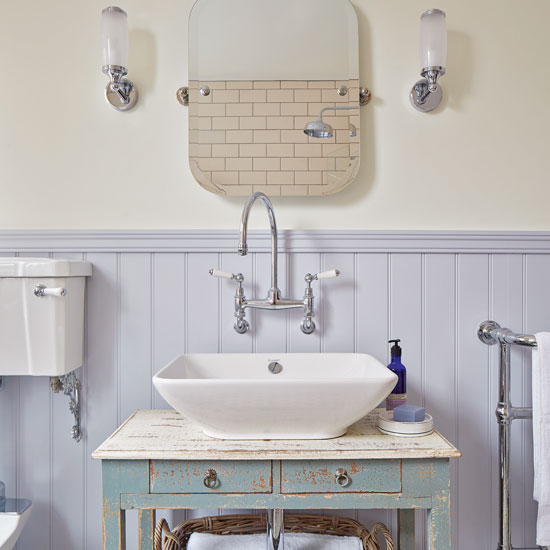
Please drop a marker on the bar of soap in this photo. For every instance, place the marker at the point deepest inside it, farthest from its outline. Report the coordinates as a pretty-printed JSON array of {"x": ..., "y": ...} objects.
[{"x": 409, "y": 413}]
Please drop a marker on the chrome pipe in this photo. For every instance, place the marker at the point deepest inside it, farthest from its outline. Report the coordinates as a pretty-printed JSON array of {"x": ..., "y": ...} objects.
[
  {"x": 492, "y": 333},
  {"x": 243, "y": 246},
  {"x": 275, "y": 529},
  {"x": 521, "y": 413}
]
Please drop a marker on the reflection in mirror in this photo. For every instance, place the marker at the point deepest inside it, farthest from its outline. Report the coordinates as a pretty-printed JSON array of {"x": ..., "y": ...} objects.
[{"x": 273, "y": 96}]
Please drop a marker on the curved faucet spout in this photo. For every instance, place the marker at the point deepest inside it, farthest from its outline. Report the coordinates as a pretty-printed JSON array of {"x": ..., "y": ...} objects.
[{"x": 243, "y": 246}]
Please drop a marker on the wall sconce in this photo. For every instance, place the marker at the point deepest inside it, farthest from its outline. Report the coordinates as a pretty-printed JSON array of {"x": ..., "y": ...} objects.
[
  {"x": 426, "y": 93},
  {"x": 120, "y": 92}
]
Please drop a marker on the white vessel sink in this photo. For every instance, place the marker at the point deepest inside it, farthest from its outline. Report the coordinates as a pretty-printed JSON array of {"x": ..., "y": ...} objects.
[{"x": 236, "y": 396}]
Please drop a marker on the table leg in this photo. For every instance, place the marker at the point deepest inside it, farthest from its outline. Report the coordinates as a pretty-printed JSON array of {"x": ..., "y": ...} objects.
[
  {"x": 118, "y": 477},
  {"x": 439, "y": 525},
  {"x": 405, "y": 527},
  {"x": 146, "y": 529},
  {"x": 439, "y": 516},
  {"x": 114, "y": 523}
]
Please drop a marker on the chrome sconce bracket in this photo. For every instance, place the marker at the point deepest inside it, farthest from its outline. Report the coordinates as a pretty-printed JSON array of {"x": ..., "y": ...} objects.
[
  {"x": 70, "y": 385},
  {"x": 364, "y": 96},
  {"x": 120, "y": 92},
  {"x": 182, "y": 96},
  {"x": 426, "y": 94}
]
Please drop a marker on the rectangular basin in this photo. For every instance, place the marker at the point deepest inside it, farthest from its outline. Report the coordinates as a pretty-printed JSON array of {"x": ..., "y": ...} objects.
[{"x": 274, "y": 396}]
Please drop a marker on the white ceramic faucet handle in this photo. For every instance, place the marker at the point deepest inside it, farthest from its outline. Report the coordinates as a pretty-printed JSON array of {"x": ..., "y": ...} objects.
[
  {"x": 327, "y": 274},
  {"x": 222, "y": 274}
]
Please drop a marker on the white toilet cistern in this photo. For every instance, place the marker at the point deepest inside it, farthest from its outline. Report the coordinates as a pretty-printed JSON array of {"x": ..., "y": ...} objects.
[{"x": 41, "y": 334}]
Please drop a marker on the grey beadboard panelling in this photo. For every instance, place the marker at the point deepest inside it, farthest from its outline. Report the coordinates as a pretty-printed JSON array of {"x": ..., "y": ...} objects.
[
  {"x": 101, "y": 380},
  {"x": 476, "y": 405},
  {"x": 151, "y": 298}
]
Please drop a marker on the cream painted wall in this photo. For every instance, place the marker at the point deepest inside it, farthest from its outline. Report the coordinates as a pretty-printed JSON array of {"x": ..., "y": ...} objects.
[{"x": 67, "y": 160}]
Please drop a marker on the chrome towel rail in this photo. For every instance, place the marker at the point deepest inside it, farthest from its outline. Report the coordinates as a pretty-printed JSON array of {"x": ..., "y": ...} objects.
[{"x": 492, "y": 333}]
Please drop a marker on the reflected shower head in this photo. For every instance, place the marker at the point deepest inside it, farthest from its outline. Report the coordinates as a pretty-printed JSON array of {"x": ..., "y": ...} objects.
[{"x": 319, "y": 129}]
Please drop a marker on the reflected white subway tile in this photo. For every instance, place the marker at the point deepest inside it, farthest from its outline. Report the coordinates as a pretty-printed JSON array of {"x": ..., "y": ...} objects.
[
  {"x": 226, "y": 150},
  {"x": 252, "y": 123},
  {"x": 253, "y": 150},
  {"x": 239, "y": 136},
  {"x": 253, "y": 96},
  {"x": 267, "y": 164},
  {"x": 267, "y": 84},
  {"x": 238, "y": 164},
  {"x": 280, "y": 150},
  {"x": 253, "y": 178}
]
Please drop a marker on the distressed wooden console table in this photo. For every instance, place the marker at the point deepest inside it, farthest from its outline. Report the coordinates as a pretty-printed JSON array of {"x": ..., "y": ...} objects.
[{"x": 158, "y": 459}]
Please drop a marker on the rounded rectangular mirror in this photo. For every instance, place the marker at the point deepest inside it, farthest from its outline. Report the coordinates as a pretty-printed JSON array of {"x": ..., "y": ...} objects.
[{"x": 273, "y": 96}]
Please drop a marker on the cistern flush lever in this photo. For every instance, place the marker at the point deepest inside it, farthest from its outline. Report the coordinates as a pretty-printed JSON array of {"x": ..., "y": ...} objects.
[{"x": 42, "y": 290}]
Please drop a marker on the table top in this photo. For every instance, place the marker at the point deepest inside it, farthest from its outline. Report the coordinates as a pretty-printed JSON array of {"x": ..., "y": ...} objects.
[{"x": 167, "y": 435}]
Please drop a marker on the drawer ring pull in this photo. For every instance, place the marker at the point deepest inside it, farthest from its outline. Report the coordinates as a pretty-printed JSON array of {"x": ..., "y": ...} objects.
[
  {"x": 211, "y": 480},
  {"x": 341, "y": 477}
]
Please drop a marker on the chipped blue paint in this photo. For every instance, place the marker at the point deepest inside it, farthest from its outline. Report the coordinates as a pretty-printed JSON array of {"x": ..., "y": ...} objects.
[
  {"x": 412, "y": 483},
  {"x": 120, "y": 476},
  {"x": 238, "y": 476},
  {"x": 318, "y": 476},
  {"x": 146, "y": 527},
  {"x": 439, "y": 515},
  {"x": 313, "y": 501}
]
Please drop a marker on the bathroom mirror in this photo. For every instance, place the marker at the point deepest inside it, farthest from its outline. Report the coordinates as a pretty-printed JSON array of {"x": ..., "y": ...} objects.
[{"x": 260, "y": 74}]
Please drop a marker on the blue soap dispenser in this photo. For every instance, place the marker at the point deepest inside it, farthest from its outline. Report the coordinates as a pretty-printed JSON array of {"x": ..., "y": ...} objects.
[{"x": 398, "y": 396}]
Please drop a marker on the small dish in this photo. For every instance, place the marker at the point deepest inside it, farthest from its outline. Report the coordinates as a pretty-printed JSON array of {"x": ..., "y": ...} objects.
[{"x": 389, "y": 426}]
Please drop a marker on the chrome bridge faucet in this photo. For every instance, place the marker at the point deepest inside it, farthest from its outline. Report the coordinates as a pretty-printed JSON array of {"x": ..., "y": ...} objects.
[{"x": 273, "y": 299}]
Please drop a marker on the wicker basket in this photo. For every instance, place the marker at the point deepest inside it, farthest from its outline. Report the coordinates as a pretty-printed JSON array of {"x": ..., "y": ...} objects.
[{"x": 245, "y": 524}]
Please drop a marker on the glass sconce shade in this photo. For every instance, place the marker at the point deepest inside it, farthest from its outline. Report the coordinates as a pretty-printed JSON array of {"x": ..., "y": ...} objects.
[
  {"x": 114, "y": 36},
  {"x": 433, "y": 39},
  {"x": 120, "y": 92}
]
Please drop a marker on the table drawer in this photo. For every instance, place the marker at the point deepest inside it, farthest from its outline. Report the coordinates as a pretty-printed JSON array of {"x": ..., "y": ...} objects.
[
  {"x": 341, "y": 476},
  {"x": 192, "y": 476}
]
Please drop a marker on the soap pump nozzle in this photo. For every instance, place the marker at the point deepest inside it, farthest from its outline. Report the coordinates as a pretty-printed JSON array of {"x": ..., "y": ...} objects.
[{"x": 395, "y": 349}]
